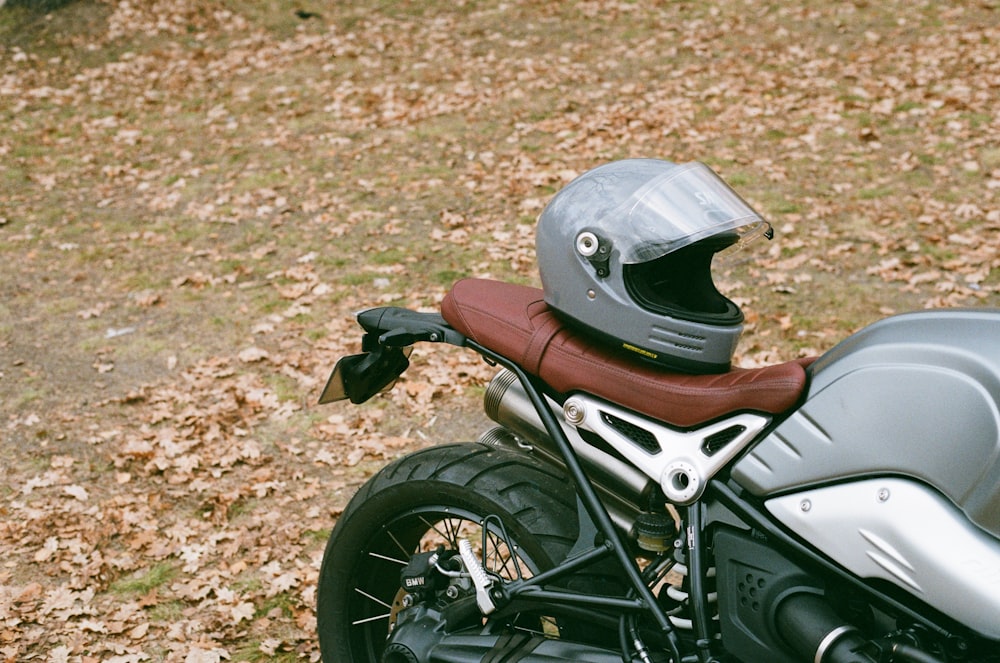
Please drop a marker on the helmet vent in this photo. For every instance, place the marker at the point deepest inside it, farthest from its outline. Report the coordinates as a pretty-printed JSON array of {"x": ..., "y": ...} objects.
[
  {"x": 641, "y": 437},
  {"x": 677, "y": 339},
  {"x": 689, "y": 348}
]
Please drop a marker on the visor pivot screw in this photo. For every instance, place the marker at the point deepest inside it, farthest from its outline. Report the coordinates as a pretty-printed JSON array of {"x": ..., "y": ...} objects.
[{"x": 587, "y": 244}]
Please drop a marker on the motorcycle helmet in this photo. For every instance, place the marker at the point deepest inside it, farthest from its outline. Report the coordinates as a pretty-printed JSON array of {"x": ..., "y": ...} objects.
[{"x": 625, "y": 251}]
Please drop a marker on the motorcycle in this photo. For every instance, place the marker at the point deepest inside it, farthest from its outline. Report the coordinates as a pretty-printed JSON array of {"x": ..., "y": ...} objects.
[{"x": 844, "y": 509}]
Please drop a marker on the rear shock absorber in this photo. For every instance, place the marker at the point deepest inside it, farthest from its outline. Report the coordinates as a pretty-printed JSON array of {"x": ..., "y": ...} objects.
[{"x": 674, "y": 595}]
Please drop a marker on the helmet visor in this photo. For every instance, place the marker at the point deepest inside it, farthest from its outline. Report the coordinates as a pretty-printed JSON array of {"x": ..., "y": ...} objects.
[{"x": 680, "y": 207}]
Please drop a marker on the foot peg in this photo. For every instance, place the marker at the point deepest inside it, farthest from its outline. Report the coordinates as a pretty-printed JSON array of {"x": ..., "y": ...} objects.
[{"x": 480, "y": 579}]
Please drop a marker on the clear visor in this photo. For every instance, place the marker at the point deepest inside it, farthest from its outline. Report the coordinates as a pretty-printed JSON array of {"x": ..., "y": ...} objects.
[{"x": 685, "y": 205}]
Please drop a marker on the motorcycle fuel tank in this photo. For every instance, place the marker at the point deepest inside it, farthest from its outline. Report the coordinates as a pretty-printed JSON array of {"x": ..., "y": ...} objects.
[{"x": 915, "y": 395}]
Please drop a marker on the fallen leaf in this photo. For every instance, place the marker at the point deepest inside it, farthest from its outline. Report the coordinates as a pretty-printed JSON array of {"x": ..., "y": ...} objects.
[
  {"x": 76, "y": 492},
  {"x": 253, "y": 354}
]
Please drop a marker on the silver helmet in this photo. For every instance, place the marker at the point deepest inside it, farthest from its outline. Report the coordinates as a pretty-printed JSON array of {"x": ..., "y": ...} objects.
[{"x": 626, "y": 249}]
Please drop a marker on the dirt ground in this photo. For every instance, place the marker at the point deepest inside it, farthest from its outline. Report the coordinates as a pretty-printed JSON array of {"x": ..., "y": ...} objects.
[{"x": 196, "y": 195}]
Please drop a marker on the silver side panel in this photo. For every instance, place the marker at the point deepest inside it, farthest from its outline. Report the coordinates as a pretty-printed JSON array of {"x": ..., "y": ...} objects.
[
  {"x": 903, "y": 532},
  {"x": 916, "y": 395}
]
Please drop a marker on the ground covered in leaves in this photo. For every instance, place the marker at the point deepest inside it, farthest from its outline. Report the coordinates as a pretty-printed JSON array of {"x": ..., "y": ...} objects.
[{"x": 196, "y": 194}]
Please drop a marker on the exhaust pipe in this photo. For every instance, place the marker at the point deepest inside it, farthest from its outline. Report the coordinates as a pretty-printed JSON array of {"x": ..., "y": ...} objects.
[{"x": 622, "y": 487}]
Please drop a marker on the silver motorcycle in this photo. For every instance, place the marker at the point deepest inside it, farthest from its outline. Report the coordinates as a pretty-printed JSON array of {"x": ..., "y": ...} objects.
[{"x": 639, "y": 500}]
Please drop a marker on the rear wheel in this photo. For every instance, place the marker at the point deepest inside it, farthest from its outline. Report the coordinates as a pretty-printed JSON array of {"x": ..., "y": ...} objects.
[{"x": 435, "y": 497}]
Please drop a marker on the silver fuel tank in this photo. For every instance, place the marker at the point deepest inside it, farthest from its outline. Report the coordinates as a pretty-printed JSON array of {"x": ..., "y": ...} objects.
[{"x": 915, "y": 395}]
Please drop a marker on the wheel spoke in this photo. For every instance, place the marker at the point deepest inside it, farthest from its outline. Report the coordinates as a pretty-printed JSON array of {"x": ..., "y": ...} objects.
[
  {"x": 433, "y": 527},
  {"x": 500, "y": 559},
  {"x": 401, "y": 562},
  {"x": 359, "y": 622},
  {"x": 451, "y": 531},
  {"x": 446, "y": 529},
  {"x": 373, "y": 598},
  {"x": 399, "y": 545}
]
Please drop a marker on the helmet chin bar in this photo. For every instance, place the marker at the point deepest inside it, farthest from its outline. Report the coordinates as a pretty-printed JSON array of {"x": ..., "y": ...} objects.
[{"x": 682, "y": 462}]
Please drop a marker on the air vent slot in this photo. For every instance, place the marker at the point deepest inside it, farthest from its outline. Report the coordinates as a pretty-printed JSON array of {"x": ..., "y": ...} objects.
[
  {"x": 640, "y": 437},
  {"x": 716, "y": 441},
  {"x": 690, "y": 348}
]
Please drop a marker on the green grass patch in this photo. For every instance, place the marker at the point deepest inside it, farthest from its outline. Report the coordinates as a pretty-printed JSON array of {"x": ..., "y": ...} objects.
[
  {"x": 318, "y": 536},
  {"x": 143, "y": 582},
  {"x": 284, "y": 603},
  {"x": 284, "y": 387},
  {"x": 907, "y": 106},
  {"x": 875, "y": 193},
  {"x": 167, "y": 612}
]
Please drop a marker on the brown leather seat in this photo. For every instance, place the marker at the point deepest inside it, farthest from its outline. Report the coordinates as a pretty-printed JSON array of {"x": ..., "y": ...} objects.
[{"x": 514, "y": 321}]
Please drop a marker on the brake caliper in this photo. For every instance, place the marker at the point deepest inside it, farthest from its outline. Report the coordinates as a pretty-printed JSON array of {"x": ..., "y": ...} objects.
[{"x": 423, "y": 577}]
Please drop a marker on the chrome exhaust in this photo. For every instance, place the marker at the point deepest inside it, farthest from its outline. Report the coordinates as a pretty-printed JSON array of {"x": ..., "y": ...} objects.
[{"x": 623, "y": 489}]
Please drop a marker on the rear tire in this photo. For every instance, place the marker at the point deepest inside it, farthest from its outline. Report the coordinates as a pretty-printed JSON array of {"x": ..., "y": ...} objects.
[{"x": 443, "y": 493}]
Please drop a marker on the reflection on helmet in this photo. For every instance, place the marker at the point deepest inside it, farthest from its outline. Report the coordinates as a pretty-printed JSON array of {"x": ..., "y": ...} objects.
[{"x": 625, "y": 251}]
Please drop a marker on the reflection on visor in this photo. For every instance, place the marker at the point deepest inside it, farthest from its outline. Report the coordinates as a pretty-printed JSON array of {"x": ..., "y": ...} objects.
[
  {"x": 680, "y": 207},
  {"x": 751, "y": 233}
]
